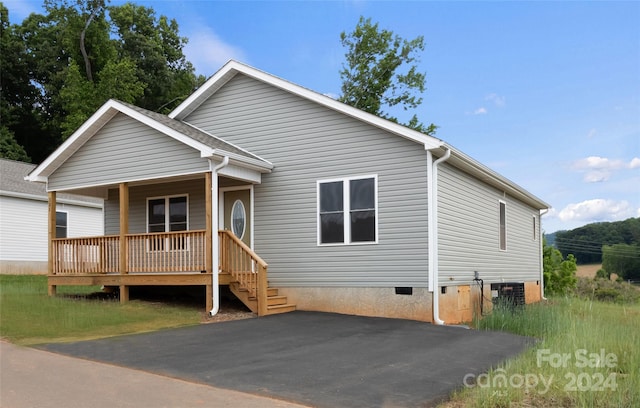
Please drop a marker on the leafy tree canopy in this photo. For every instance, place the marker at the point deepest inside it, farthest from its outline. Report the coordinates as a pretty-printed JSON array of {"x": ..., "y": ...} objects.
[
  {"x": 59, "y": 67},
  {"x": 559, "y": 273},
  {"x": 623, "y": 260},
  {"x": 380, "y": 73}
]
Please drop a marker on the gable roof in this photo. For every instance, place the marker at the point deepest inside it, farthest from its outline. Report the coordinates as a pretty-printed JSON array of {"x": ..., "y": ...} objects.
[
  {"x": 206, "y": 143},
  {"x": 458, "y": 158},
  {"x": 232, "y": 68},
  {"x": 13, "y": 184}
]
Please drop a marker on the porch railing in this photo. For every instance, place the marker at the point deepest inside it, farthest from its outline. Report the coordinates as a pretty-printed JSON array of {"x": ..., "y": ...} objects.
[
  {"x": 180, "y": 251},
  {"x": 86, "y": 255},
  {"x": 245, "y": 266}
]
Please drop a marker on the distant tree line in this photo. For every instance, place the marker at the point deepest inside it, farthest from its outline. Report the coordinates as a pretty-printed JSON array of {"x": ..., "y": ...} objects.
[
  {"x": 614, "y": 244},
  {"x": 586, "y": 242}
]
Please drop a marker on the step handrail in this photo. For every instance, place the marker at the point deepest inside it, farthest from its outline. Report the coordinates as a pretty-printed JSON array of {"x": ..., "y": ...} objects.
[{"x": 245, "y": 266}]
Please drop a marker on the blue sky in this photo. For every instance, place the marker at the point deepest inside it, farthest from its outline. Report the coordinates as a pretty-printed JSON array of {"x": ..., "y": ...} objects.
[{"x": 545, "y": 93}]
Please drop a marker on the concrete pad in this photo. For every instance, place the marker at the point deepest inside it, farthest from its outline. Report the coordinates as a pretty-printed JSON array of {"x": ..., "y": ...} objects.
[{"x": 319, "y": 359}]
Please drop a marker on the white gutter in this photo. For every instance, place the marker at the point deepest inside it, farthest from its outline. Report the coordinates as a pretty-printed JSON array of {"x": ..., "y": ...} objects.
[
  {"x": 215, "y": 255},
  {"x": 543, "y": 212},
  {"x": 432, "y": 199}
]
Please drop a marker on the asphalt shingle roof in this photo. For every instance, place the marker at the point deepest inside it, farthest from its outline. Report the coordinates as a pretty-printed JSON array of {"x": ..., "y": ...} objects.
[
  {"x": 196, "y": 134},
  {"x": 12, "y": 174}
]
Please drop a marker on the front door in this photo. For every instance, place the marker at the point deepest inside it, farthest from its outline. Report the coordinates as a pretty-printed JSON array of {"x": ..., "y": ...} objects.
[{"x": 237, "y": 213}]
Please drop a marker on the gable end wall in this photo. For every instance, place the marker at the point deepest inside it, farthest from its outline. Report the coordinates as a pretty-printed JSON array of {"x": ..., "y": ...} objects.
[{"x": 126, "y": 150}]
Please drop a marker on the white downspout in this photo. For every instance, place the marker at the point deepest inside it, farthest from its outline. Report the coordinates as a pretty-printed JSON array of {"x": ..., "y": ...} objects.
[
  {"x": 432, "y": 199},
  {"x": 543, "y": 212},
  {"x": 215, "y": 242}
]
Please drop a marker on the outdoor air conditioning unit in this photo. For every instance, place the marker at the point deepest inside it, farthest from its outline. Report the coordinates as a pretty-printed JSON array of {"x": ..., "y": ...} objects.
[{"x": 510, "y": 294}]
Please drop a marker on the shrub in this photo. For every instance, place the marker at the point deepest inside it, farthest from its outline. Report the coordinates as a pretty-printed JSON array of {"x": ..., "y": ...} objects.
[
  {"x": 559, "y": 273},
  {"x": 607, "y": 290}
]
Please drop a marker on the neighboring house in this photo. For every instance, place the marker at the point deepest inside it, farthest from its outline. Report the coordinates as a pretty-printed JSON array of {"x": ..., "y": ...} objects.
[
  {"x": 23, "y": 219},
  {"x": 352, "y": 213}
]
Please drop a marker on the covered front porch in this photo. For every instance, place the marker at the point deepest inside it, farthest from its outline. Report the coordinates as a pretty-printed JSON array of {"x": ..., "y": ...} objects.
[
  {"x": 164, "y": 185},
  {"x": 189, "y": 257}
]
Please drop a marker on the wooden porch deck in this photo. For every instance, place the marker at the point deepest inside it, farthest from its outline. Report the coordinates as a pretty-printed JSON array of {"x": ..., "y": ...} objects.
[{"x": 171, "y": 259}]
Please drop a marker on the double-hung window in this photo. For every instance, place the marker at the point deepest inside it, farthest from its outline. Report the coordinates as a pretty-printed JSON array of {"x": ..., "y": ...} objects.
[
  {"x": 347, "y": 210},
  {"x": 167, "y": 214}
]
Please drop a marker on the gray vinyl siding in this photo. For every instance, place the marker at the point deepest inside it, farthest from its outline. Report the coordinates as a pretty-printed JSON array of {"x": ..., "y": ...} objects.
[
  {"x": 468, "y": 233},
  {"x": 306, "y": 143},
  {"x": 126, "y": 150},
  {"x": 138, "y": 195}
]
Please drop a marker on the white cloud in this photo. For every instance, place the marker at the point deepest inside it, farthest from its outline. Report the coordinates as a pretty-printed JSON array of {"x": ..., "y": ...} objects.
[
  {"x": 480, "y": 111},
  {"x": 498, "y": 100},
  {"x": 592, "y": 133},
  {"x": 597, "y": 210},
  {"x": 208, "y": 52},
  {"x": 597, "y": 176},
  {"x": 598, "y": 163},
  {"x": 598, "y": 169}
]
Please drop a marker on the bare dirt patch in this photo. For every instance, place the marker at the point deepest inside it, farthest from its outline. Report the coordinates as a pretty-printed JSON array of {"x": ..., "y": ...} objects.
[{"x": 588, "y": 271}]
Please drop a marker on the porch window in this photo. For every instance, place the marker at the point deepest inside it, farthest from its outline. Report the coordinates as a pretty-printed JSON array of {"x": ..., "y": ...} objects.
[
  {"x": 167, "y": 214},
  {"x": 61, "y": 224},
  {"x": 347, "y": 210}
]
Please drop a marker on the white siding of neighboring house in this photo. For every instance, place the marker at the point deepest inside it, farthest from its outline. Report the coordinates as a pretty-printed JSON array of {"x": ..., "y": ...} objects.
[
  {"x": 307, "y": 142},
  {"x": 126, "y": 150},
  {"x": 24, "y": 228},
  {"x": 468, "y": 227}
]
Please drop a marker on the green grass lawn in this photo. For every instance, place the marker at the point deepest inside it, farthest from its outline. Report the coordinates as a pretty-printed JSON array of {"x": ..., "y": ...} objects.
[
  {"x": 29, "y": 316},
  {"x": 587, "y": 355}
]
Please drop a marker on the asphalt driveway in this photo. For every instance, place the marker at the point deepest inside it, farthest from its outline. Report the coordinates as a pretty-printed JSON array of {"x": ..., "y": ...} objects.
[{"x": 317, "y": 359}]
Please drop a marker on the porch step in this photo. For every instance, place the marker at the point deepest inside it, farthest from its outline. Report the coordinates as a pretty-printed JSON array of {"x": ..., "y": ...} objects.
[
  {"x": 276, "y": 300},
  {"x": 286, "y": 308},
  {"x": 275, "y": 303}
]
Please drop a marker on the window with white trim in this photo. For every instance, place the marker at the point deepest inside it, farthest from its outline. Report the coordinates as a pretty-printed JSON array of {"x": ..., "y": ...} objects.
[
  {"x": 347, "y": 210},
  {"x": 503, "y": 225},
  {"x": 61, "y": 224},
  {"x": 167, "y": 214}
]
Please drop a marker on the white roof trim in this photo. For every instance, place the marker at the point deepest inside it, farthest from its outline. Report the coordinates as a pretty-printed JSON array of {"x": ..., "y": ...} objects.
[
  {"x": 97, "y": 121},
  {"x": 231, "y": 68},
  {"x": 485, "y": 174}
]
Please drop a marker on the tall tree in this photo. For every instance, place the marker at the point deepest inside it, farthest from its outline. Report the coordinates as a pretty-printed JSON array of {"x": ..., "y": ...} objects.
[
  {"x": 81, "y": 53},
  {"x": 381, "y": 73},
  {"x": 17, "y": 94}
]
